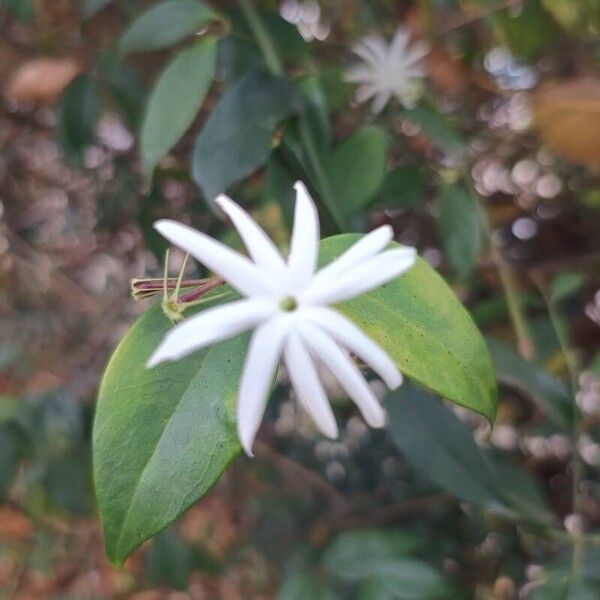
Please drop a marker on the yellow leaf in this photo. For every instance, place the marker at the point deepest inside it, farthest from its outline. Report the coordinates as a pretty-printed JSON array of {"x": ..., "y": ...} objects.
[{"x": 567, "y": 117}]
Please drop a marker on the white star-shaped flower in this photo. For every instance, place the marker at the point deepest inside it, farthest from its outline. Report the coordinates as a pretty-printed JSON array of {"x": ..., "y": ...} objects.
[
  {"x": 394, "y": 70},
  {"x": 287, "y": 305}
]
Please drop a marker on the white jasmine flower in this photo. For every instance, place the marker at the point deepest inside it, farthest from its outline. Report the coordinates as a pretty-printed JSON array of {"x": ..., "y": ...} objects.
[
  {"x": 287, "y": 305},
  {"x": 390, "y": 70}
]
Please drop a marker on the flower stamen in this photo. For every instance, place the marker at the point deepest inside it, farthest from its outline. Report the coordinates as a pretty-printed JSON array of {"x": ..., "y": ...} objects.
[{"x": 288, "y": 304}]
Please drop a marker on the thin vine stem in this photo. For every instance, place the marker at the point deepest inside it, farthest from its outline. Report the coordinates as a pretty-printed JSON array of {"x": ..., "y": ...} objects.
[
  {"x": 515, "y": 310},
  {"x": 579, "y": 540}
]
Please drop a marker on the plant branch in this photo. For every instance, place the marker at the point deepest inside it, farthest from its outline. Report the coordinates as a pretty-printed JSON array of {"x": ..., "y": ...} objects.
[
  {"x": 524, "y": 342},
  {"x": 263, "y": 39}
]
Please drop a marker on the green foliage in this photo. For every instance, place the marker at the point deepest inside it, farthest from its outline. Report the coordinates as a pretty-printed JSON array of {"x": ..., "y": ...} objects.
[
  {"x": 175, "y": 423},
  {"x": 403, "y": 187},
  {"x": 460, "y": 228},
  {"x": 176, "y": 100},
  {"x": 356, "y": 169},
  {"x": 300, "y": 587},
  {"x": 441, "y": 447},
  {"x": 549, "y": 393},
  {"x": 237, "y": 137},
  {"x": 170, "y": 560},
  {"x": 77, "y": 115},
  {"x": 361, "y": 553},
  {"x": 419, "y": 321},
  {"x": 436, "y": 128},
  {"x": 22, "y": 10},
  {"x": 162, "y": 436},
  {"x": 382, "y": 562},
  {"x": 164, "y": 25}
]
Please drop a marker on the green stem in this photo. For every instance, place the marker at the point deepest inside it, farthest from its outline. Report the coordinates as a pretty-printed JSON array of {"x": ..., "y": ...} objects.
[
  {"x": 321, "y": 175},
  {"x": 262, "y": 37},
  {"x": 579, "y": 539},
  {"x": 515, "y": 311}
]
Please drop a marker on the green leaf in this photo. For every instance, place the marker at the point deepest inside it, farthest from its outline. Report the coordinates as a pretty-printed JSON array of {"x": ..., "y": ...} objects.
[
  {"x": 165, "y": 25},
  {"x": 558, "y": 584},
  {"x": 316, "y": 111},
  {"x": 436, "y": 443},
  {"x": 237, "y": 137},
  {"x": 436, "y": 128},
  {"x": 521, "y": 491},
  {"x": 93, "y": 7},
  {"x": 162, "y": 436},
  {"x": 176, "y": 100},
  {"x": 566, "y": 284},
  {"x": 402, "y": 187},
  {"x": 355, "y": 555},
  {"x": 460, "y": 228},
  {"x": 549, "y": 393},
  {"x": 408, "y": 579},
  {"x": 169, "y": 560},
  {"x": 77, "y": 115},
  {"x": 419, "y": 321},
  {"x": 303, "y": 587},
  {"x": 356, "y": 169}
]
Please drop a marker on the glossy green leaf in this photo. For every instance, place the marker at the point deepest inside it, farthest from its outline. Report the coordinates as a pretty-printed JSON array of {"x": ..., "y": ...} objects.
[
  {"x": 356, "y": 169},
  {"x": 162, "y": 436},
  {"x": 362, "y": 553},
  {"x": 77, "y": 115},
  {"x": 436, "y": 443},
  {"x": 421, "y": 323},
  {"x": 176, "y": 100},
  {"x": 548, "y": 392},
  {"x": 460, "y": 228},
  {"x": 303, "y": 587},
  {"x": 402, "y": 187},
  {"x": 408, "y": 579},
  {"x": 237, "y": 137},
  {"x": 164, "y": 25}
]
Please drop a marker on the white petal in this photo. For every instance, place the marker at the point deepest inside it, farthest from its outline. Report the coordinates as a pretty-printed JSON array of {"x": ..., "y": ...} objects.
[
  {"x": 304, "y": 246},
  {"x": 236, "y": 269},
  {"x": 306, "y": 384},
  {"x": 366, "y": 276},
  {"x": 359, "y": 74},
  {"x": 380, "y": 101},
  {"x": 417, "y": 52},
  {"x": 346, "y": 372},
  {"x": 365, "y": 92},
  {"x": 210, "y": 326},
  {"x": 259, "y": 370},
  {"x": 365, "y": 248},
  {"x": 371, "y": 49},
  {"x": 354, "y": 339},
  {"x": 260, "y": 247},
  {"x": 400, "y": 42}
]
